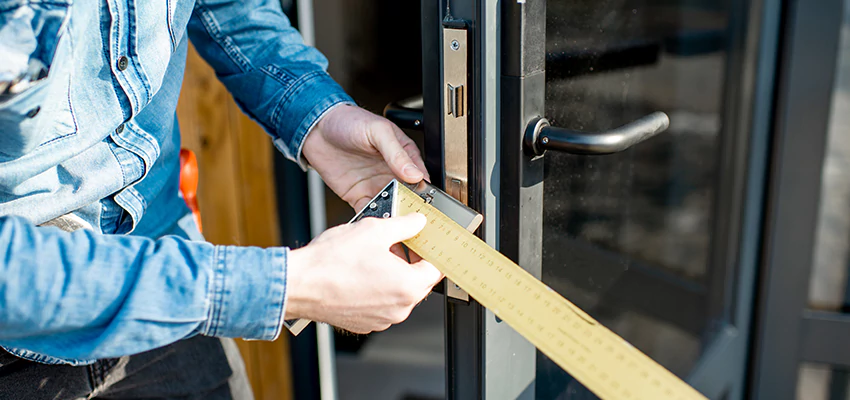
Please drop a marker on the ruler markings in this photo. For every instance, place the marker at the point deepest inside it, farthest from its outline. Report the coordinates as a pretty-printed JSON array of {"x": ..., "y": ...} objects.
[{"x": 603, "y": 362}]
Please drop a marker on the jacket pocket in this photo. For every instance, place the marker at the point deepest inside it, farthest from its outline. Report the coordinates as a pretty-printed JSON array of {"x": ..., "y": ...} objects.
[{"x": 42, "y": 113}]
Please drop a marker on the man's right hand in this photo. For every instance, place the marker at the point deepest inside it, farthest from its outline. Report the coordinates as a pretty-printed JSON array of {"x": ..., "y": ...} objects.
[{"x": 349, "y": 277}]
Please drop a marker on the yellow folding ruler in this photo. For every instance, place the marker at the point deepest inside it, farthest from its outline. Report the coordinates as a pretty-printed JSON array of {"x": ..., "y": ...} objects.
[{"x": 603, "y": 362}]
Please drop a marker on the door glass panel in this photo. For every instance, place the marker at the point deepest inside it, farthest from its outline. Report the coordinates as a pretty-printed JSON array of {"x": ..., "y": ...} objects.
[
  {"x": 628, "y": 237},
  {"x": 828, "y": 286}
]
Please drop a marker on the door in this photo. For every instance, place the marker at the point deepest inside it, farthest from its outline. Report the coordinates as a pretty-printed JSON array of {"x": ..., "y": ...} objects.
[{"x": 653, "y": 234}]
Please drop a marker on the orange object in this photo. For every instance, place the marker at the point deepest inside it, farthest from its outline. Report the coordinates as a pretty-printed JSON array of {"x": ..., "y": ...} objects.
[{"x": 189, "y": 183}]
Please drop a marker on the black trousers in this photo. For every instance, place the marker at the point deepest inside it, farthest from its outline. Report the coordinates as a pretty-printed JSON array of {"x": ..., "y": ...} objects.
[{"x": 197, "y": 368}]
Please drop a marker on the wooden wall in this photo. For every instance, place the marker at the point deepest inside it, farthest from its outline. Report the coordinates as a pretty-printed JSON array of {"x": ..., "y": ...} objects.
[{"x": 237, "y": 197}]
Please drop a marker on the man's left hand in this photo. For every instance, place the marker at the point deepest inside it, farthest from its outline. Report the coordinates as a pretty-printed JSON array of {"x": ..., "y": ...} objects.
[{"x": 357, "y": 153}]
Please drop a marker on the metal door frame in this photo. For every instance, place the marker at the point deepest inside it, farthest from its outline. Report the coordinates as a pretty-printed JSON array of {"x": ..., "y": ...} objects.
[{"x": 787, "y": 332}]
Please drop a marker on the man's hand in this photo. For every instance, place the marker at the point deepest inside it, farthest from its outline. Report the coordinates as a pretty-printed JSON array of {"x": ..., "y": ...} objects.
[
  {"x": 357, "y": 153},
  {"x": 349, "y": 278}
]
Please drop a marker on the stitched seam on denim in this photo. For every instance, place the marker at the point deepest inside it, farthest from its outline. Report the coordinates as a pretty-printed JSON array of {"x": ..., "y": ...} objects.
[
  {"x": 224, "y": 42},
  {"x": 279, "y": 75},
  {"x": 151, "y": 141},
  {"x": 116, "y": 35},
  {"x": 222, "y": 314},
  {"x": 218, "y": 289},
  {"x": 124, "y": 172},
  {"x": 125, "y": 200},
  {"x": 296, "y": 86},
  {"x": 278, "y": 326},
  {"x": 132, "y": 49},
  {"x": 133, "y": 149},
  {"x": 211, "y": 293},
  {"x": 170, "y": 23},
  {"x": 148, "y": 159},
  {"x": 73, "y": 119},
  {"x": 43, "y": 359},
  {"x": 122, "y": 97},
  {"x": 142, "y": 202}
]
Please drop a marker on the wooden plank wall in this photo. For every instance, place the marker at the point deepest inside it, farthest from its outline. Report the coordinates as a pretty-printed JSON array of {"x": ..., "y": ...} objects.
[{"x": 237, "y": 197}]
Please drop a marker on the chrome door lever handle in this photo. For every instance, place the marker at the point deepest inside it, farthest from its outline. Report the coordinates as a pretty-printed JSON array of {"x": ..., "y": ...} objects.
[{"x": 540, "y": 136}]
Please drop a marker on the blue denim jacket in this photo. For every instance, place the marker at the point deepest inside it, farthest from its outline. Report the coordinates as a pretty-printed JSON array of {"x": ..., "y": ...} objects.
[{"x": 95, "y": 134}]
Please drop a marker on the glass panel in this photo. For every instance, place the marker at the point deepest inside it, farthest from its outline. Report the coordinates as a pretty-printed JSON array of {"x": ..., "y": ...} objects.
[
  {"x": 628, "y": 237},
  {"x": 822, "y": 382},
  {"x": 828, "y": 286}
]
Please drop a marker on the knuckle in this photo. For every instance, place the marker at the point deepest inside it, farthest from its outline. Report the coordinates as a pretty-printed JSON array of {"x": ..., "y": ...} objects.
[
  {"x": 369, "y": 223},
  {"x": 381, "y": 126},
  {"x": 401, "y": 314}
]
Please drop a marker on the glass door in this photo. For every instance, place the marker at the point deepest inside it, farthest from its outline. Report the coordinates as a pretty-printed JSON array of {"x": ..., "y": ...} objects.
[
  {"x": 654, "y": 234},
  {"x": 642, "y": 238}
]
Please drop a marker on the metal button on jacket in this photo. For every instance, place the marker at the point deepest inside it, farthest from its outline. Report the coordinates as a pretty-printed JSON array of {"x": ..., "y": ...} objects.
[{"x": 32, "y": 113}]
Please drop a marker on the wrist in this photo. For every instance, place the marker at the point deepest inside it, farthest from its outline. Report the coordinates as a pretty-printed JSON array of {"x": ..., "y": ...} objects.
[
  {"x": 297, "y": 286},
  {"x": 314, "y": 136}
]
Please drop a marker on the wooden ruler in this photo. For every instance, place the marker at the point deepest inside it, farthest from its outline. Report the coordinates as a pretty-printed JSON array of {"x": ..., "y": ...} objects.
[{"x": 603, "y": 362}]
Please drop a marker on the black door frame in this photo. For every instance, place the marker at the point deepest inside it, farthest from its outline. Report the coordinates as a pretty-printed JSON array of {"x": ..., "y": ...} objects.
[{"x": 788, "y": 333}]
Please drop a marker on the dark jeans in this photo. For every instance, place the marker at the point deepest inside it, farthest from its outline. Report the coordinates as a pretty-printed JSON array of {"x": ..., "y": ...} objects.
[{"x": 197, "y": 368}]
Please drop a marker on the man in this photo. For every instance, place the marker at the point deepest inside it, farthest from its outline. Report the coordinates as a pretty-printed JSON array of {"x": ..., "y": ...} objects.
[{"x": 131, "y": 306}]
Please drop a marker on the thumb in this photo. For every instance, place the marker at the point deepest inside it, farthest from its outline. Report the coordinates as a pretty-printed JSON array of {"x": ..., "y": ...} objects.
[
  {"x": 387, "y": 142},
  {"x": 398, "y": 229}
]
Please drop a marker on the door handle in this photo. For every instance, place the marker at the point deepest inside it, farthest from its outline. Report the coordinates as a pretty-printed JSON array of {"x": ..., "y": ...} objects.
[
  {"x": 540, "y": 136},
  {"x": 406, "y": 114}
]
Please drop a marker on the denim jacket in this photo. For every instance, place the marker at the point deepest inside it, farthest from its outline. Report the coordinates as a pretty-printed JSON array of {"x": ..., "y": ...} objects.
[{"x": 88, "y": 92}]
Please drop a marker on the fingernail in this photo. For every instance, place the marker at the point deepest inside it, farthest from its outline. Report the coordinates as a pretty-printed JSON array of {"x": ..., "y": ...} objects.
[{"x": 411, "y": 171}]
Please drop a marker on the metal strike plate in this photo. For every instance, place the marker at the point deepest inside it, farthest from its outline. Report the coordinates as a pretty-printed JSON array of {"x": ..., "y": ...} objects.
[
  {"x": 455, "y": 124},
  {"x": 385, "y": 205}
]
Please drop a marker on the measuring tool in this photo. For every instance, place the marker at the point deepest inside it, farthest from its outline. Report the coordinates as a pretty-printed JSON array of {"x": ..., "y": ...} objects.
[
  {"x": 385, "y": 204},
  {"x": 603, "y": 362}
]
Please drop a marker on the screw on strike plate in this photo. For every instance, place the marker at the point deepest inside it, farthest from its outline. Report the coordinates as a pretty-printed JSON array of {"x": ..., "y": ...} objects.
[
  {"x": 373, "y": 206},
  {"x": 455, "y": 45},
  {"x": 386, "y": 215},
  {"x": 384, "y": 194}
]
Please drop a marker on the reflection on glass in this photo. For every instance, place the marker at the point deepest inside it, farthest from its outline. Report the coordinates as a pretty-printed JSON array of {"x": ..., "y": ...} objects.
[
  {"x": 827, "y": 289},
  {"x": 628, "y": 236}
]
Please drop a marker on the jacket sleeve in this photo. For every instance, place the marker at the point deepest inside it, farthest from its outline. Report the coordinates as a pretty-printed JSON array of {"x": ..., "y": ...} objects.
[
  {"x": 275, "y": 78},
  {"x": 82, "y": 295}
]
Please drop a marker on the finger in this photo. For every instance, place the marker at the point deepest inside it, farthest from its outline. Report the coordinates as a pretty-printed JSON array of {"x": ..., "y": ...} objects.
[
  {"x": 362, "y": 203},
  {"x": 386, "y": 141},
  {"x": 428, "y": 273},
  {"x": 397, "y": 229}
]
